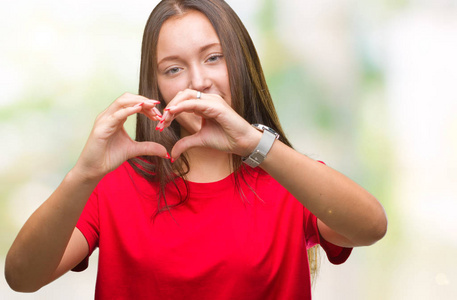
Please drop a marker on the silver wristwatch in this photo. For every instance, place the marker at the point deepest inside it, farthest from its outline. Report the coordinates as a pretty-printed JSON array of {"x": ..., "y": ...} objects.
[{"x": 264, "y": 146}]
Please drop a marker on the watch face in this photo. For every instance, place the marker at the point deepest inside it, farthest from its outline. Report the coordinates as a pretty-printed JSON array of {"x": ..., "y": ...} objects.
[
  {"x": 258, "y": 126},
  {"x": 263, "y": 128},
  {"x": 266, "y": 128}
]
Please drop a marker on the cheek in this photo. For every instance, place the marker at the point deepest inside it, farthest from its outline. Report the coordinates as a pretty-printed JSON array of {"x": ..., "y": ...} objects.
[
  {"x": 165, "y": 91},
  {"x": 169, "y": 89},
  {"x": 221, "y": 81},
  {"x": 227, "y": 92}
]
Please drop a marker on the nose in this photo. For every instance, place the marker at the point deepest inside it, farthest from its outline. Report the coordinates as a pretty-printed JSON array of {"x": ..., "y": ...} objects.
[{"x": 199, "y": 79}]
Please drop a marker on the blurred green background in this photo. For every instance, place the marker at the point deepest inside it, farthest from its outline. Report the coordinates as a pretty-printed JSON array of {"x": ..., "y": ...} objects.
[{"x": 369, "y": 87}]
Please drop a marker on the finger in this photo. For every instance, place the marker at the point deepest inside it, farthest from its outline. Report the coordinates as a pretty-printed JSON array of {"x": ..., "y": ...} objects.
[
  {"x": 129, "y": 104},
  {"x": 187, "y": 94},
  {"x": 147, "y": 148},
  {"x": 185, "y": 144},
  {"x": 153, "y": 113},
  {"x": 150, "y": 104},
  {"x": 180, "y": 97},
  {"x": 127, "y": 100},
  {"x": 120, "y": 116},
  {"x": 156, "y": 111},
  {"x": 150, "y": 110},
  {"x": 165, "y": 121},
  {"x": 203, "y": 108}
]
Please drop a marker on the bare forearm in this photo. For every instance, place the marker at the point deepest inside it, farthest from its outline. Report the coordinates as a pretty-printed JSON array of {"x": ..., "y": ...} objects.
[
  {"x": 333, "y": 198},
  {"x": 36, "y": 255},
  {"x": 39, "y": 246}
]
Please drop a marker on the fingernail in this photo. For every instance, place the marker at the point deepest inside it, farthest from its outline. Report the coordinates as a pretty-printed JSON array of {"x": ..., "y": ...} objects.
[
  {"x": 171, "y": 107},
  {"x": 154, "y": 101},
  {"x": 172, "y": 160},
  {"x": 139, "y": 104},
  {"x": 168, "y": 156},
  {"x": 157, "y": 127},
  {"x": 161, "y": 121},
  {"x": 161, "y": 129}
]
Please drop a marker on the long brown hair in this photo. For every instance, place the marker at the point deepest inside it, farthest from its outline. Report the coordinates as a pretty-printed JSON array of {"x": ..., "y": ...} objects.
[{"x": 251, "y": 98}]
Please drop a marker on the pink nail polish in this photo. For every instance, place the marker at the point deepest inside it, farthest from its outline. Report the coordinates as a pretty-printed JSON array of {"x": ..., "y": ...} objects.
[
  {"x": 157, "y": 127},
  {"x": 139, "y": 104},
  {"x": 168, "y": 156},
  {"x": 172, "y": 160}
]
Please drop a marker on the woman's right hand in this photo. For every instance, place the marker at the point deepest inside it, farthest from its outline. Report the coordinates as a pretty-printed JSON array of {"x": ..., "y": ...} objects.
[
  {"x": 48, "y": 244},
  {"x": 109, "y": 145}
]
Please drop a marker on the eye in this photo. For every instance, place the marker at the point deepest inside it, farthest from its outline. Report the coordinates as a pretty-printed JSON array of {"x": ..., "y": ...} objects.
[
  {"x": 214, "y": 58},
  {"x": 172, "y": 71}
]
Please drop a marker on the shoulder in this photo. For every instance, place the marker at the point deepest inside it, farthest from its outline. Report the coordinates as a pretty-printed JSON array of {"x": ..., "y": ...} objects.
[
  {"x": 268, "y": 189},
  {"x": 271, "y": 192},
  {"x": 261, "y": 180}
]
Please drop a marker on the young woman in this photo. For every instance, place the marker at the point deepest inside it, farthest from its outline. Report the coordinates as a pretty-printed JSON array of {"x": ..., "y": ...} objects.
[{"x": 203, "y": 205}]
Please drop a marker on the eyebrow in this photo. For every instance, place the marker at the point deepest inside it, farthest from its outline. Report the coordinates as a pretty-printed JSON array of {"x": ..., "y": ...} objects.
[{"x": 202, "y": 49}]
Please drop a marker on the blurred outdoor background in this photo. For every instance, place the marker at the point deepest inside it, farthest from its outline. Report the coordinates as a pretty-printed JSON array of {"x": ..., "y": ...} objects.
[{"x": 369, "y": 87}]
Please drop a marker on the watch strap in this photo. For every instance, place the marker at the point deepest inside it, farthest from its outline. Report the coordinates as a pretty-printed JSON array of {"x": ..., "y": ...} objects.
[{"x": 264, "y": 146}]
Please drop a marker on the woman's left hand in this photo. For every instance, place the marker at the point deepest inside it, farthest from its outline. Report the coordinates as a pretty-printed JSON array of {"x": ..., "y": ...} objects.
[
  {"x": 221, "y": 127},
  {"x": 348, "y": 215}
]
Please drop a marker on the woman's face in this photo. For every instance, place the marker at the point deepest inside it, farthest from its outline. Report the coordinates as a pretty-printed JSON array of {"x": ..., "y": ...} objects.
[{"x": 189, "y": 56}]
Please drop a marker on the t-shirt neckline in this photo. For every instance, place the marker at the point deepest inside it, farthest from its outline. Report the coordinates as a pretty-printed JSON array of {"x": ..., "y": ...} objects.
[{"x": 212, "y": 187}]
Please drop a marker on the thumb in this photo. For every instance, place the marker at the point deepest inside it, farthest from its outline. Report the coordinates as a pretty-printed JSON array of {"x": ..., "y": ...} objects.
[
  {"x": 147, "y": 148},
  {"x": 184, "y": 144}
]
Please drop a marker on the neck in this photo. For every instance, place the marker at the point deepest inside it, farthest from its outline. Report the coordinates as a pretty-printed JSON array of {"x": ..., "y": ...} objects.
[{"x": 208, "y": 165}]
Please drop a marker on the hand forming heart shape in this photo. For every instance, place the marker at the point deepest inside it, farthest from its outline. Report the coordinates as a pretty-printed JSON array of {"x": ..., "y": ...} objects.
[{"x": 221, "y": 128}]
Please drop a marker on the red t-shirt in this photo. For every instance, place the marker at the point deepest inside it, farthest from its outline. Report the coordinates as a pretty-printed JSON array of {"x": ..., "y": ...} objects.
[{"x": 217, "y": 245}]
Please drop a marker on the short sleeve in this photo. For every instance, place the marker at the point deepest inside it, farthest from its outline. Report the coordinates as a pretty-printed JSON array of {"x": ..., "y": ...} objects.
[
  {"x": 88, "y": 224},
  {"x": 335, "y": 254}
]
